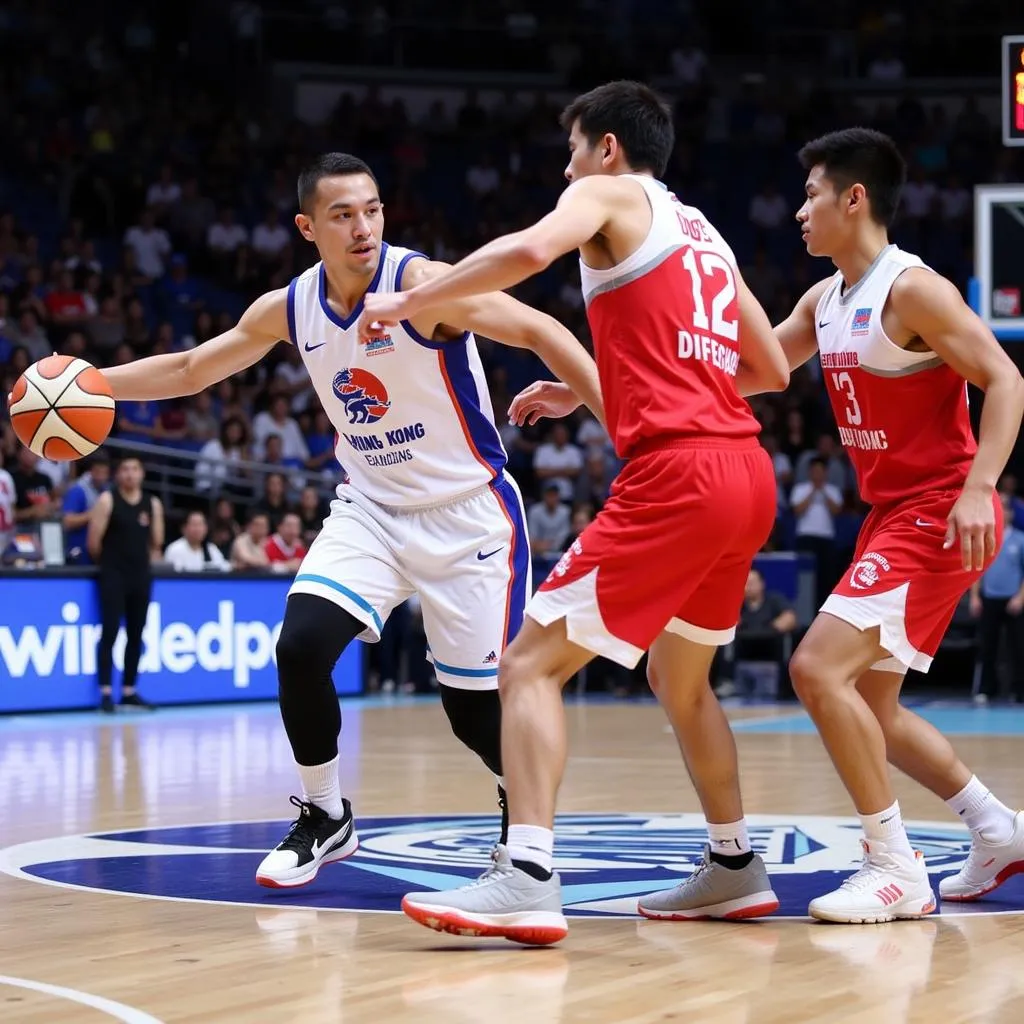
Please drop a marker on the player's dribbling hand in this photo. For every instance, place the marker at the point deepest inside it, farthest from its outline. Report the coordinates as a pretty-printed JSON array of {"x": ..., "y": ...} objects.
[
  {"x": 542, "y": 398},
  {"x": 383, "y": 309},
  {"x": 973, "y": 519}
]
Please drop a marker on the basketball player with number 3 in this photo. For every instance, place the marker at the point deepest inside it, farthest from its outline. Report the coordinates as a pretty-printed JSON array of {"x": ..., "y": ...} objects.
[
  {"x": 664, "y": 565},
  {"x": 897, "y": 346}
]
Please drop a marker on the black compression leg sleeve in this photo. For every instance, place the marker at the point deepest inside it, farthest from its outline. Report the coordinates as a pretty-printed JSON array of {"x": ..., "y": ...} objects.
[
  {"x": 314, "y": 633},
  {"x": 475, "y": 717}
]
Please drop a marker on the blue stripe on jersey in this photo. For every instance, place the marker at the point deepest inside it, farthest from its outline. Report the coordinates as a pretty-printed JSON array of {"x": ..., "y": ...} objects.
[
  {"x": 427, "y": 343},
  {"x": 407, "y": 325},
  {"x": 291, "y": 311},
  {"x": 346, "y": 322},
  {"x": 519, "y": 593},
  {"x": 482, "y": 434},
  {"x": 401, "y": 267}
]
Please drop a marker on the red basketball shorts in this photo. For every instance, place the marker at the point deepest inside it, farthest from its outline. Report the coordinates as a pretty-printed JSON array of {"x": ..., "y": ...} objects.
[
  {"x": 671, "y": 549},
  {"x": 903, "y": 582}
]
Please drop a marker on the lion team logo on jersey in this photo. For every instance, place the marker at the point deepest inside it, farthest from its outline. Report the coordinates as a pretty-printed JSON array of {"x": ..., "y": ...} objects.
[
  {"x": 364, "y": 396},
  {"x": 861, "y": 322}
]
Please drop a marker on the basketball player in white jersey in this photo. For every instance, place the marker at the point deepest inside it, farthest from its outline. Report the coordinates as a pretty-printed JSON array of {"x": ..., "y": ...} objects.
[
  {"x": 897, "y": 345},
  {"x": 425, "y": 507}
]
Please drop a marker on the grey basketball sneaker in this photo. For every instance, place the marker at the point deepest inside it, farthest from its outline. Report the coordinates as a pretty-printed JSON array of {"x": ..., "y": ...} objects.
[
  {"x": 503, "y": 902},
  {"x": 713, "y": 891}
]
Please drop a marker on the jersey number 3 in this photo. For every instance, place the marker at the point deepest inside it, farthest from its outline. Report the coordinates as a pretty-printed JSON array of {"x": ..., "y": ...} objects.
[
  {"x": 843, "y": 383},
  {"x": 715, "y": 270}
]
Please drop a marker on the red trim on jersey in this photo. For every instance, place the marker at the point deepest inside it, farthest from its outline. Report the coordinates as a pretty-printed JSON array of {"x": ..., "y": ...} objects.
[{"x": 442, "y": 366}]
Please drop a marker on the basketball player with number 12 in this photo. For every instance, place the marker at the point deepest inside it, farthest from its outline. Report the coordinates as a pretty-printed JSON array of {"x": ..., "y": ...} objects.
[{"x": 677, "y": 336}]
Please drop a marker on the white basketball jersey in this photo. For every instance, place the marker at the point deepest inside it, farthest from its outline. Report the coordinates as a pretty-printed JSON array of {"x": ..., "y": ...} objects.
[
  {"x": 850, "y": 321},
  {"x": 414, "y": 418},
  {"x": 902, "y": 414}
]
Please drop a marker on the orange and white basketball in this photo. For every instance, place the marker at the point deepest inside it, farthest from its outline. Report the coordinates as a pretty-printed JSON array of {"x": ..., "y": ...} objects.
[{"x": 62, "y": 408}]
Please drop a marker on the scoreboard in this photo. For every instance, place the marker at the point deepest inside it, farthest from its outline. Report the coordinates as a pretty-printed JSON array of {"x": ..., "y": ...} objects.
[{"x": 1013, "y": 90}]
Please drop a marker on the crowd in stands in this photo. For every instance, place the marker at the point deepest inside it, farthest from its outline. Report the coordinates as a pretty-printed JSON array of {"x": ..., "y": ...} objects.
[{"x": 141, "y": 209}]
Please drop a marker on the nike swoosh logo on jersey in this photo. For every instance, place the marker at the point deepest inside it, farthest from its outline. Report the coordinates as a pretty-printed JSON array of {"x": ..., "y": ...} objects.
[
  {"x": 480, "y": 556},
  {"x": 313, "y": 348},
  {"x": 825, "y": 324}
]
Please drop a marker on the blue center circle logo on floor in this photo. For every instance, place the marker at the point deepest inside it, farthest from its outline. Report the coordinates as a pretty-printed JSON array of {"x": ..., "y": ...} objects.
[{"x": 605, "y": 860}]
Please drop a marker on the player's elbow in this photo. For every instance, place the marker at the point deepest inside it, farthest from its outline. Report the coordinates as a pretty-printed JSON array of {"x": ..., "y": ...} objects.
[
  {"x": 774, "y": 376},
  {"x": 545, "y": 336},
  {"x": 187, "y": 378},
  {"x": 531, "y": 254},
  {"x": 1017, "y": 383}
]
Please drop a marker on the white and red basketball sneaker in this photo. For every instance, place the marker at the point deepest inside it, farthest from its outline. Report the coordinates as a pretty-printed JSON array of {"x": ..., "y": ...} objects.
[
  {"x": 884, "y": 889},
  {"x": 987, "y": 866}
]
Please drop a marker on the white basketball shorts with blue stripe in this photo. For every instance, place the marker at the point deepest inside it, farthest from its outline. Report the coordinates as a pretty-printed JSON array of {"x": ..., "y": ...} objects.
[{"x": 467, "y": 560}]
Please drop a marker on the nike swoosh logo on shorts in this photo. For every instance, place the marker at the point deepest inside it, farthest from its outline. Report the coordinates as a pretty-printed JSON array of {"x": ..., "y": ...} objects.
[
  {"x": 922, "y": 522},
  {"x": 480, "y": 556}
]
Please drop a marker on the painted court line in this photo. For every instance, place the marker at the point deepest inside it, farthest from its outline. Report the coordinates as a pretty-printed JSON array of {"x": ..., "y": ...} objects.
[{"x": 118, "y": 1011}]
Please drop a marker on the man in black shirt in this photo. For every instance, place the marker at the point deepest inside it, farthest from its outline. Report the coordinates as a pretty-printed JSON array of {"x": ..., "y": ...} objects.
[
  {"x": 766, "y": 620},
  {"x": 126, "y": 534},
  {"x": 33, "y": 491}
]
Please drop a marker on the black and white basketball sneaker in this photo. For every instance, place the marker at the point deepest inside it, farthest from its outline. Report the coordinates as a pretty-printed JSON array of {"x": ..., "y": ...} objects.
[{"x": 313, "y": 839}]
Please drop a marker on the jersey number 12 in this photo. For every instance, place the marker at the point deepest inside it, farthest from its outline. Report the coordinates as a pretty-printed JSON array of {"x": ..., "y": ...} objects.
[{"x": 712, "y": 265}]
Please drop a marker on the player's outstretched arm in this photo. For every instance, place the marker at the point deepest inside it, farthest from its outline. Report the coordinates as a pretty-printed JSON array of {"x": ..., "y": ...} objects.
[
  {"x": 583, "y": 211},
  {"x": 930, "y": 307},
  {"x": 176, "y": 374},
  {"x": 763, "y": 365},
  {"x": 506, "y": 320},
  {"x": 796, "y": 333}
]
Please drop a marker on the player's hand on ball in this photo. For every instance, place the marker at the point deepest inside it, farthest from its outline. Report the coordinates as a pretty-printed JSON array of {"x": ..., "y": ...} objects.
[
  {"x": 973, "y": 520},
  {"x": 548, "y": 398}
]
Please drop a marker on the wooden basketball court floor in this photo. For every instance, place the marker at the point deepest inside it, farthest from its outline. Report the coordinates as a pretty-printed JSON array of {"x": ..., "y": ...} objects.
[{"x": 129, "y": 845}]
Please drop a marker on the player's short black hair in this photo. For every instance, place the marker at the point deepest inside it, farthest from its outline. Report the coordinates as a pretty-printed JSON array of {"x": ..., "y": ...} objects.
[
  {"x": 635, "y": 114},
  {"x": 328, "y": 165},
  {"x": 861, "y": 156}
]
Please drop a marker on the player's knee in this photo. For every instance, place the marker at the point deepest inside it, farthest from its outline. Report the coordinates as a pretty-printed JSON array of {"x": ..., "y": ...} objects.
[
  {"x": 313, "y": 635},
  {"x": 654, "y": 680},
  {"x": 513, "y": 670},
  {"x": 808, "y": 672},
  {"x": 475, "y": 718},
  {"x": 685, "y": 695}
]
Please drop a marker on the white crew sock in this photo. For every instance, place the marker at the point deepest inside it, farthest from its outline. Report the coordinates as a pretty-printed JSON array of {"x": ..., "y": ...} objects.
[
  {"x": 887, "y": 827},
  {"x": 531, "y": 843},
  {"x": 321, "y": 786},
  {"x": 982, "y": 812},
  {"x": 729, "y": 840}
]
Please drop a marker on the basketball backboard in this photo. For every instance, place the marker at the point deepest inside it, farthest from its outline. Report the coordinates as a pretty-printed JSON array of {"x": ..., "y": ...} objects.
[{"x": 997, "y": 289}]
